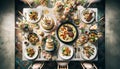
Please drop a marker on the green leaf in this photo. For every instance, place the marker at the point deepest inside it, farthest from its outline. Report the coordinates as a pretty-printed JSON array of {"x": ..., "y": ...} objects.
[{"x": 36, "y": 1}]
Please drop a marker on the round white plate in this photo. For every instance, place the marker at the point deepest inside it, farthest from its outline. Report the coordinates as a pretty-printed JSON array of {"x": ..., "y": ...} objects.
[
  {"x": 66, "y": 57},
  {"x": 52, "y": 16},
  {"x": 34, "y": 56},
  {"x": 92, "y": 56},
  {"x": 27, "y": 12},
  {"x": 82, "y": 16}
]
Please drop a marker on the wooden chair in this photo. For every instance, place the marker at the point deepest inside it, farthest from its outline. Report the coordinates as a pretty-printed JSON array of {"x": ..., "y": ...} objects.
[
  {"x": 62, "y": 65},
  {"x": 89, "y": 66},
  {"x": 41, "y": 64}
]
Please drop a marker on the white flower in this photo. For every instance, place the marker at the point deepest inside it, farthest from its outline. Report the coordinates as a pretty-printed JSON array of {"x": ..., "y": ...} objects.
[
  {"x": 82, "y": 25},
  {"x": 58, "y": 3},
  {"x": 67, "y": 9}
]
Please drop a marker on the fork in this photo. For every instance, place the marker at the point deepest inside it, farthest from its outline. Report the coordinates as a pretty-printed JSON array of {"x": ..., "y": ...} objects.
[
  {"x": 77, "y": 52},
  {"x": 39, "y": 51}
]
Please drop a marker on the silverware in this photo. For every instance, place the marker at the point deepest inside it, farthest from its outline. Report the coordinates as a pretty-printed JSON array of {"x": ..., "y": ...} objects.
[
  {"x": 77, "y": 54},
  {"x": 39, "y": 51},
  {"x": 75, "y": 51},
  {"x": 78, "y": 49}
]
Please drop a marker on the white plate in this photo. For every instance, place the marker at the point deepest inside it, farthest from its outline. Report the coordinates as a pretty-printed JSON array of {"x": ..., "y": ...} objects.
[
  {"x": 26, "y": 12},
  {"x": 52, "y": 16},
  {"x": 66, "y": 57},
  {"x": 34, "y": 56},
  {"x": 92, "y": 56},
  {"x": 82, "y": 16}
]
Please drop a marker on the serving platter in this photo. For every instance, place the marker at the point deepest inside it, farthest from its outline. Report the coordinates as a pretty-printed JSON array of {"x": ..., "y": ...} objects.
[{"x": 67, "y": 32}]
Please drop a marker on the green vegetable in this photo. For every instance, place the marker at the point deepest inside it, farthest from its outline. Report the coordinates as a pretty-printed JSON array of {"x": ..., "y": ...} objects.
[
  {"x": 63, "y": 48},
  {"x": 91, "y": 52},
  {"x": 30, "y": 12}
]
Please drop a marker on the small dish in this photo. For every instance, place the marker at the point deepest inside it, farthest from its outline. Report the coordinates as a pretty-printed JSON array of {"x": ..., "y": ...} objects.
[
  {"x": 87, "y": 15},
  {"x": 83, "y": 38},
  {"x": 92, "y": 37},
  {"x": 33, "y": 38}
]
